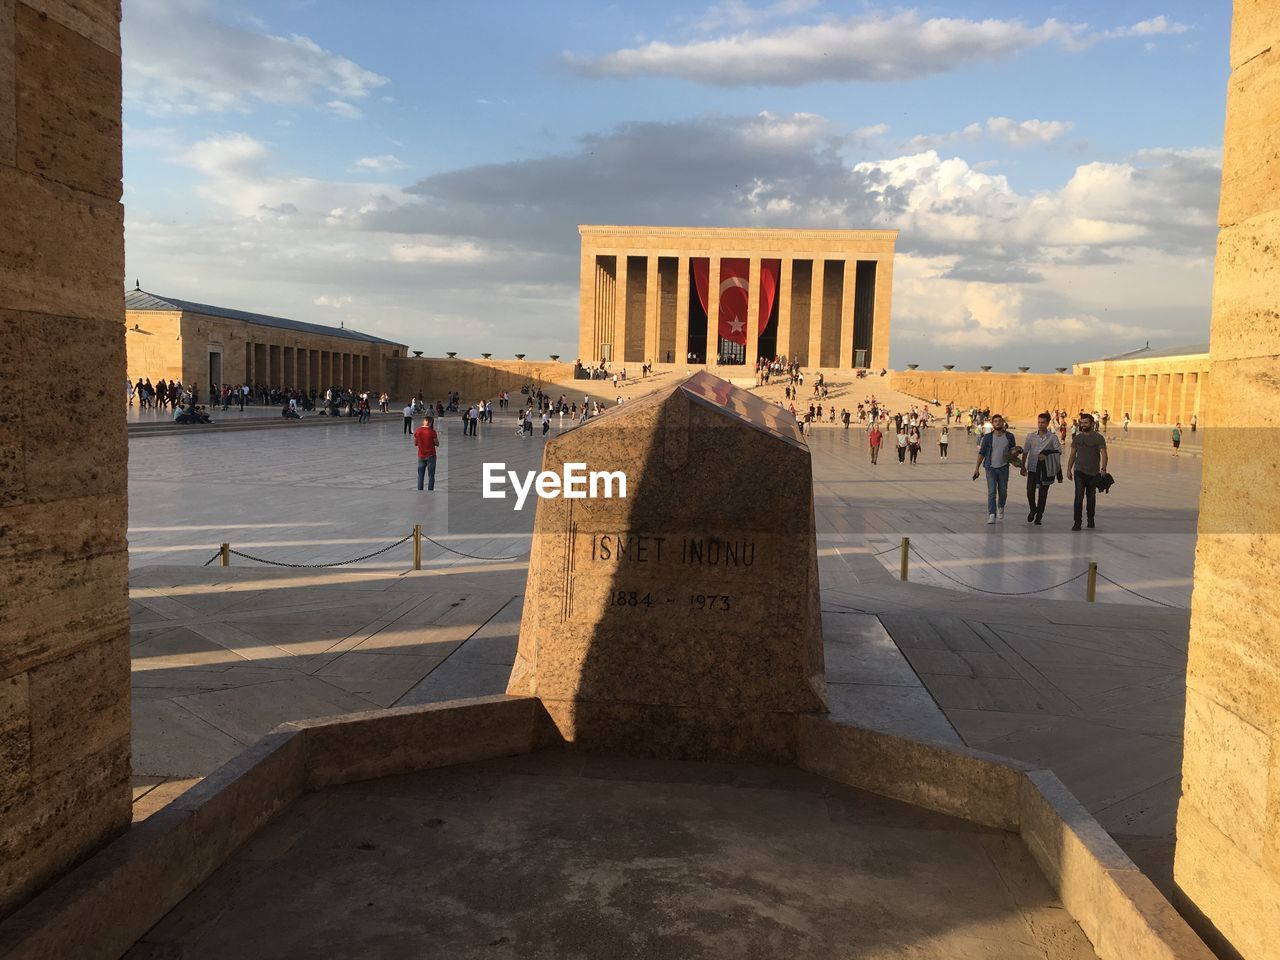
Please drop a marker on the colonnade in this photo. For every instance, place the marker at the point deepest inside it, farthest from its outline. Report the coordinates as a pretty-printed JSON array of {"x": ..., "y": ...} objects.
[
  {"x": 1157, "y": 397},
  {"x": 304, "y": 368},
  {"x": 639, "y": 302}
]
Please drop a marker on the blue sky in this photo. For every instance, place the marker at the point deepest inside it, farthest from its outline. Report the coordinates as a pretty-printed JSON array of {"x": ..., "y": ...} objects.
[{"x": 417, "y": 170}]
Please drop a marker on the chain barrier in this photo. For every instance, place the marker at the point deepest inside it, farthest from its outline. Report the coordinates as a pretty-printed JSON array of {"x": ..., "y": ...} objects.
[
  {"x": 340, "y": 563},
  {"x": 1141, "y": 596},
  {"x": 1026, "y": 593},
  {"x": 471, "y": 556},
  {"x": 368, "y": 556},
  {"x": 994, "y": 593}
]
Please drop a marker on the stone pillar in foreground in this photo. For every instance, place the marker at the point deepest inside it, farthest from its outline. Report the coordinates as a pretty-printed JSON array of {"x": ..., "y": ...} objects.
[
  {"x": 684, "y": 620},
  {"x": 64, "y": 623},
  {"x": 1227, "y": 859}
]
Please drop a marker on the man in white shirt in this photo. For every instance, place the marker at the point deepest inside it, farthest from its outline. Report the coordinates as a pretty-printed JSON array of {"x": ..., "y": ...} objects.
[
  {"x": 408, "y": 418},
  {"x": 1041, "y": 462}
]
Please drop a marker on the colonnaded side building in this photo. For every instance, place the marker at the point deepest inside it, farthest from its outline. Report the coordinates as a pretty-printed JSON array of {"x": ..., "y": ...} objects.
[
  {"x": 205, "y": 344},
  {"x": 821, "y": 297}
]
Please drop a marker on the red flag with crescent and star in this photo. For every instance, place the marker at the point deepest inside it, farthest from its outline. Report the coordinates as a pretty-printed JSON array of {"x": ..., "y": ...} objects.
[{"x": 734, "y": 280}]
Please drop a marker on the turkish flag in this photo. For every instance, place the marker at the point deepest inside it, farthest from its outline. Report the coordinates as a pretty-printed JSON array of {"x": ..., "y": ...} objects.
[{"x": 734, "y": 285}]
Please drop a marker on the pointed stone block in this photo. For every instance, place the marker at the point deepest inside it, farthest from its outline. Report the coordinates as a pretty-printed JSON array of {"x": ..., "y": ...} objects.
[{"x": 682, "y": 619}]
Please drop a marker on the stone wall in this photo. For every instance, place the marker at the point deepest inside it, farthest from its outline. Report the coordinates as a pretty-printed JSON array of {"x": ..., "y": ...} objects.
[
  {"x": 1227, "y": 860},
  {"x": 64, "y": 643},
  {"x": 434, "y": 377},
  {"x": 1019, "y": 396}
]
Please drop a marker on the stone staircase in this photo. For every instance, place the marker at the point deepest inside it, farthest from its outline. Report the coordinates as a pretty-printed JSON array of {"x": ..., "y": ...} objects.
[{"x": 843, "y": 390}]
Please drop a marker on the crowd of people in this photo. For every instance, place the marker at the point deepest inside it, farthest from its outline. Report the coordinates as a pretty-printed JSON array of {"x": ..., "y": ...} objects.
[{"x": 1039, "y": 459}]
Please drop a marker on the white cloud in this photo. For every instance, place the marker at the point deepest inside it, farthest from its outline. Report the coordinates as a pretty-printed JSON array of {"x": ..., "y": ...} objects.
[
  {"x": 441, "y": 251},
  {"x": 1027, "y": 132},
  {"x": 931, "y": 141},
  {"x": 1156, "y": 26},
  {"x": 1011, "y": 133},
  {"x": 324, "y": 300},
  {"x": 347, "y": 111},
  {"x": 381, "y": 164},
  {"x": 181, "y": 58},
  {"x": 873, "y": 47}
]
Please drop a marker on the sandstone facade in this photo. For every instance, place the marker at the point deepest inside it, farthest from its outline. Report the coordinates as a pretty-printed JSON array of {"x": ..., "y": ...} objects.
[
  {"x": 191, "y": 343},
  {"x": 832, "y": 305},
  {"x": 1227, "y": 861},
  {"x": 64, "y": 641},
  {"x": 1162, "y": 387}
]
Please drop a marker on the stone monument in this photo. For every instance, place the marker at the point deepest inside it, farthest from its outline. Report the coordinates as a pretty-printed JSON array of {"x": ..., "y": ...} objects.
[{"x": 681, "y": 619}]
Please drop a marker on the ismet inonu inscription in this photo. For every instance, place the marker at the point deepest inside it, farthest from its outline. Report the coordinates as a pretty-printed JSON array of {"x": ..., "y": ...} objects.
[
  {"x": 687, "y": 614},
  {"x": 655, "y": 551}
]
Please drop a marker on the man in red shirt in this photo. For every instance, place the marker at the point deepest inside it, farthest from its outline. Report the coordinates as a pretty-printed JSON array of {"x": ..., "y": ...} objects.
[
  {"x": 425, "y": 439},
  {"x": 874, "y": 437}
]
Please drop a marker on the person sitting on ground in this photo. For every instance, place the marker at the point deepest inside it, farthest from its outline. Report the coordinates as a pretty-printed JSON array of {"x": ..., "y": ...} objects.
[{"x": 290, "y": 412}]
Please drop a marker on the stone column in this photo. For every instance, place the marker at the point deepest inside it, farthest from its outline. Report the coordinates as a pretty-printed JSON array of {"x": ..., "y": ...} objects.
[
  {"x": 64, "y": 619},
  {"x": 753, "y": 313},
  {"x": 652, "y": 310},
  {"x": 681, "y": 351},
  {"x": 713, "y": 312},
  {"x": 884, "y": 304},
  {"x": 587, "y": 321},
  {"x": 815, "y": 311},
  {"x": 847, "y": 297},
  {"x": 619, "y": 352},
  {"x": 1227, "y": 859},
  {"x": 784, "y": 307}
]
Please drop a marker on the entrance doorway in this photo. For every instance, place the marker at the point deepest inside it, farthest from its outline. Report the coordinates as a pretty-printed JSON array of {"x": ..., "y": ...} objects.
[{"x": 215, "y": 370}]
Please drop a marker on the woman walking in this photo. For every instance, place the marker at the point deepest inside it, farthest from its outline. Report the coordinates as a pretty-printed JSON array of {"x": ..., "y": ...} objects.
[
  {"x": 913, "y": 444},
  {"x": 902, "y": 445},
  {"x": 942, "y": 444}
]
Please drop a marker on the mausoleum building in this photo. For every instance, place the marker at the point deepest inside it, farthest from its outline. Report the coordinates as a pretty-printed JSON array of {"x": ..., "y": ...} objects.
[
  {"x": 205, "y": 344},
  {"x": 821, "y": 297}
]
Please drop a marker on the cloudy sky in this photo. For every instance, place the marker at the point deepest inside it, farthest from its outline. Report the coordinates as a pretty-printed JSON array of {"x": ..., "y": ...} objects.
[{"x": 418, "y": 170}]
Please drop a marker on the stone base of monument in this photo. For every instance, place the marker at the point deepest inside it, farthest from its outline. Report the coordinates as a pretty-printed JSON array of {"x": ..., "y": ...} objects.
[
  {"x": 401, "y": 832},
  {"x": 680, "y": 790}
]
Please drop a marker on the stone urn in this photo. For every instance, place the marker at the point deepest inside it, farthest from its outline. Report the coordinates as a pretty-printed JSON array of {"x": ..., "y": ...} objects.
[
  {"x": 555, "y": 358},
  {"x": 1023, "y": 369},
  {"x": 451, "y": 354},
  {"x": 486, "y": 355},
  {"x": 913, "y": 366},
  {"x": 417, "y": 353},
  {"x": 985, "y": 369},
  {"x": 1060, "y": 369},
  {"x": 948, "y": 367},
  {"x": 519, "y": 356}
]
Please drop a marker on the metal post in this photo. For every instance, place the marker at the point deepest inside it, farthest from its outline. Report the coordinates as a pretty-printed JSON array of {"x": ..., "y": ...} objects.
[
  {"x": 1091, "y": 591},
  {"x": 906, "y": 552},
  {"x": 417, "y": 546},
  {"x": 224, "y": 555}
]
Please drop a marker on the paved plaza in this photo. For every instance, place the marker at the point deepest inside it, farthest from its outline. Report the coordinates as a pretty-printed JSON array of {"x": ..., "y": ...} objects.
[
  {"x": 331, "y": 493},
  {"x": 221, "y": 656}
]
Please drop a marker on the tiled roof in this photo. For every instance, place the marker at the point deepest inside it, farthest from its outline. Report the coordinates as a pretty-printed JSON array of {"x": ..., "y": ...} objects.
[{"x": 141, "y": 300}]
